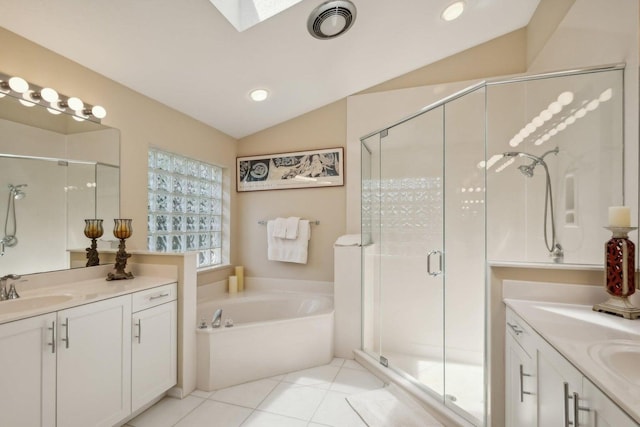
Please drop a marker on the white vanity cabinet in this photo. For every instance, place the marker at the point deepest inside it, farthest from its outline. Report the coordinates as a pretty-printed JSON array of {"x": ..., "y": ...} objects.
[
  {"x": 521, "y": 375},
  {"x": 559, "y": 383},
  {"x": 28, "y": 369},
  {"x": 94, "y": 363},
  {"x": 154, "y": 344},
  {"x": 602, "y": 411},
  {"x": 560, "y": 394},
  {"x": 90, "y": 365}
]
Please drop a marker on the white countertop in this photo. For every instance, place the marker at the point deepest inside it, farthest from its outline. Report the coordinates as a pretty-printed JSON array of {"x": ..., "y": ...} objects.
[
  {"x": 76, "y": 293},
  {"x": 579, "y": 333}
]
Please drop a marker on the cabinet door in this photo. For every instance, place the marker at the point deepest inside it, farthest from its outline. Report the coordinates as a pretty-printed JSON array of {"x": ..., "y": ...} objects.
[
  {"x": 558, "y": 380},
  {"x": 154, "y": 353},
  {"x": 27, "y": 380},
  {"x": 602, "y": 412},
  {"x": 521, "y": 389},
  {"x": 94, "y": 363}
]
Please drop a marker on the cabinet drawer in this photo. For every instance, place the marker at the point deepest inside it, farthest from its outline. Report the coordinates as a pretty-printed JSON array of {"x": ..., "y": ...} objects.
[
  {"x": 155, "y": 296},
  {"x": 521, "y": 332}
]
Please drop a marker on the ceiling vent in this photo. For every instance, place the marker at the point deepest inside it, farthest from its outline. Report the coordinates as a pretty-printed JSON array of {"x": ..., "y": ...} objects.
[{"x": 331, "y": 19}]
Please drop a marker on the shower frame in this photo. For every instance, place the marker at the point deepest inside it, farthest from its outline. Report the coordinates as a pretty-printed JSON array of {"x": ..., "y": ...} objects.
[{"x": 367, "y": 233}]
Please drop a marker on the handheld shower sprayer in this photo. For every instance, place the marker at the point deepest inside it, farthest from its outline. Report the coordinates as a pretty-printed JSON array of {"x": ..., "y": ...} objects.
[
  {"x": 16, "y": 191},
  {"x": 10, "y": 239},
  {"x": 554, "y": 248}
]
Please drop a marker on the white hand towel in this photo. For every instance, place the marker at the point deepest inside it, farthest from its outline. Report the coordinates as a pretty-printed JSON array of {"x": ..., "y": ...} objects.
[
  {"x": 289, "y": 250},
  {"x": 292, "y": 224},
  {"x": 280, "y": 228}
]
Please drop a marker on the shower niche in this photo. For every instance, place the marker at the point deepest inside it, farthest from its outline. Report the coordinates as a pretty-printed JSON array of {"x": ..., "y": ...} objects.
[{"x": 469, "y": 181}]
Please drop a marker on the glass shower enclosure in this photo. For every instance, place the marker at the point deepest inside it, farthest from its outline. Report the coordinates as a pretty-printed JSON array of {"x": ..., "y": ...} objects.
[
  {"x": 428, "y": 324},
  {"x": 461, "y": 185}
]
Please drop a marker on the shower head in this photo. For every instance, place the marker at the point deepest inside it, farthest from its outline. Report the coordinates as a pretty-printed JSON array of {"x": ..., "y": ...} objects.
[
  {"x": 527, "y": 170},
  {"x": 16, "y": 191}
]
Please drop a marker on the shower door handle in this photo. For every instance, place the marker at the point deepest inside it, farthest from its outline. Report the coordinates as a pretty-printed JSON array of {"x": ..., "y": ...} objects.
[{"x": 429, "y": 256}]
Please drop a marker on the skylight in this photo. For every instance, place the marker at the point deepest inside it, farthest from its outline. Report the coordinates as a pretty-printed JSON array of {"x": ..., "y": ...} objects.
[{"x": 244, "y": 14}]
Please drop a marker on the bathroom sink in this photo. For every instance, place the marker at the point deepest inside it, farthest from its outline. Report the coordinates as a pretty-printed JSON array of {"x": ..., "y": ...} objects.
[
  {"x": 620, "y": 357},
  {"x": 32, "y": 303}
]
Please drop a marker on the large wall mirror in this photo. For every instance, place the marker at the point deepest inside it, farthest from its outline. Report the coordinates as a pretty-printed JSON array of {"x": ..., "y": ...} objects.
[
  {"x": 555, "y": 151},
  {"x": 55, "y": 171}
]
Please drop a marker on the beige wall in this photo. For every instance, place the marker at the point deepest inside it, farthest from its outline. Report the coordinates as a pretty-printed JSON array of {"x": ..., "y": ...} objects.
[
  {"x": 322, "y": 128},
  {"x": 325, "y": 128},
  {"x": 142, "y": 122}
]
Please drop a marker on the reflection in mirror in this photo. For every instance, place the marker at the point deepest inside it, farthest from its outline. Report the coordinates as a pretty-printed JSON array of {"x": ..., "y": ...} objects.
[
  {"x": 70, "y": 172},
  {"x": 554, "y": 165}
]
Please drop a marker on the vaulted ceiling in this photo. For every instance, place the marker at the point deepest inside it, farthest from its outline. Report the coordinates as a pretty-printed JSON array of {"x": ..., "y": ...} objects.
[{"x": 185, "y": 54}]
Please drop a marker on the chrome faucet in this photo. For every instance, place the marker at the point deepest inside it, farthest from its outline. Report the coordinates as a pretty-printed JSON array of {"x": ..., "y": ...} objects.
[
  {"x": 217, "y": 318},
  {"x": 12, "y": 294}
]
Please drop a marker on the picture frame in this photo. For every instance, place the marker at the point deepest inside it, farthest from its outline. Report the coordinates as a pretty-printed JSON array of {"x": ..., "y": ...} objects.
[{"x": 299, "y": 169}]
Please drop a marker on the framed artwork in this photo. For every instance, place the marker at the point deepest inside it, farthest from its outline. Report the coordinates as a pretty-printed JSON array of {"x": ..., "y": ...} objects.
[{"x": 302, "y": 169}]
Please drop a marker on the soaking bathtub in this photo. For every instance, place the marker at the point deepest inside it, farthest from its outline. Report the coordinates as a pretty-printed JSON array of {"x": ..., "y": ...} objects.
[{"x": 273, "y": 333}]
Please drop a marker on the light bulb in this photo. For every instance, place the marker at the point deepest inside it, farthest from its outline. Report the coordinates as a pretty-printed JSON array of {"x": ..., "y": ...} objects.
[
  {"x": 565, "y": 98},
  {"x": 75, "y": 103},
  {"x": 453, "y": 11},
  {"x": 18, "y": 84},
  {"x": 259, "y": 95},
  {"x": 55, "y": 105},
  {"x": 555, "y": 107},
  {"x": 78, "y": 119},
  {"x": 26, "y": 103},
  {"x": 31, "y": 96},
  {"x": 593, "y": 105},
  {"x": 49, "y": 94},
  {"x": 98, "y": 112},
  {"x": 606, "y": 95}
]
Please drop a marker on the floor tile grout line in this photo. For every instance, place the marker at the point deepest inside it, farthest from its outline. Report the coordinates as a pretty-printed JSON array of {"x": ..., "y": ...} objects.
[
  {"x": 315, "y": 411},
  {"x": 194, "y": 408}
]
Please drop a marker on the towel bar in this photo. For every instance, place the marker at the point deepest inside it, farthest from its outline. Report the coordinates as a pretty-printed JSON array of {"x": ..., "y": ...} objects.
[{"x": 311, "y": 221}]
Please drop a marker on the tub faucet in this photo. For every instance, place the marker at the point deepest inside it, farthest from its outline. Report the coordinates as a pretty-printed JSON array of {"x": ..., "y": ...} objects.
[
  {"x": 12, "y": 294},
  {"x": 217, "y": 318}
]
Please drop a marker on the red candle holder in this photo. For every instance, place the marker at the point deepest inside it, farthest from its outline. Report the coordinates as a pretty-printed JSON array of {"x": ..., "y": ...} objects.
[{"x": 619, "y": 274}]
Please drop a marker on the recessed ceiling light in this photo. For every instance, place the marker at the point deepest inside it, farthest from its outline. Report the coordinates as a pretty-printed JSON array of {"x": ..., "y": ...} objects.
[
  {"x": 453, "y": 11},
  {"x": 259, "y": 95}
]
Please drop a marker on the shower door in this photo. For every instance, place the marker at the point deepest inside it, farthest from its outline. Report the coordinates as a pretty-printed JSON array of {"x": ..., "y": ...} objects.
[
  {"x": 423, "y": 213},
  {"x": 403, "y": 216}
]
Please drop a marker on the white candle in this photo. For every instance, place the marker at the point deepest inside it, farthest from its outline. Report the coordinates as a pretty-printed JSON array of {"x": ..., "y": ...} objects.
[
  {"x": 240, "y": 276},
  {"x": 233, "y": 284},
  {"x": 619, "y": 216}
]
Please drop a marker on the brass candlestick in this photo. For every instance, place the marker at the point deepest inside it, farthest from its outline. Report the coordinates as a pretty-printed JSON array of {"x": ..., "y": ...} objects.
[
  {"x": 93, "y": 230},
  {"x": 122, "y": 230}
]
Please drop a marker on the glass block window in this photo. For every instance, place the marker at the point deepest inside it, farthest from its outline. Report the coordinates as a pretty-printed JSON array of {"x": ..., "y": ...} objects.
[{"x": 185, "y": 206}]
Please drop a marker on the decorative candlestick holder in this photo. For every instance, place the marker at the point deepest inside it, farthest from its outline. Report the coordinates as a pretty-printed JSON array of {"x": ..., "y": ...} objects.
[
  {"x": 122, "y": 230},
  {"x": 93, "y": 230},
  {"x": 619, "y": 277}
]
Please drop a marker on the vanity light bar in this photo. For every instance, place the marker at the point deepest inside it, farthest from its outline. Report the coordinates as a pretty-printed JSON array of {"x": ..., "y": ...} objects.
[{"x": 29, "y": 94}]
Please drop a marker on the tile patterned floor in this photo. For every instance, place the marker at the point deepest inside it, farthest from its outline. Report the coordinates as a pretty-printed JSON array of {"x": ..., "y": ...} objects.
[{"x": 309, "y": 398}]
